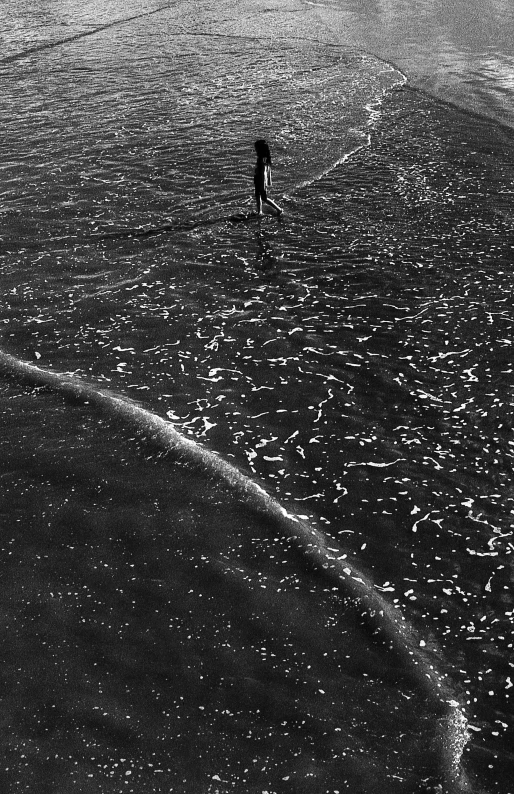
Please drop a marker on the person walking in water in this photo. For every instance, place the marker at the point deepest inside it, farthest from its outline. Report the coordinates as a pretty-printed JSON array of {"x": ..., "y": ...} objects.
[{"x": 262, "y": 177}]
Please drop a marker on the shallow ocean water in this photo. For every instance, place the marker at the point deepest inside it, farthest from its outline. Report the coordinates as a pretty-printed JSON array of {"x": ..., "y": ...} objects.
[
  {"x": 460, "y": 51},
  {"x": 354, "y": 357}
]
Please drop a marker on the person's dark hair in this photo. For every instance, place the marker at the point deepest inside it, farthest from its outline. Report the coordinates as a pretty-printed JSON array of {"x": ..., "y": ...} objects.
[{"x": 262, "y": 149}]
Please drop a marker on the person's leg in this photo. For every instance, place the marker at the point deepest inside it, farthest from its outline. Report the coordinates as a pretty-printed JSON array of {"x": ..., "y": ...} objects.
[
  {"x": 258, "y": 201},
  {"x": 275, "y": 206}
]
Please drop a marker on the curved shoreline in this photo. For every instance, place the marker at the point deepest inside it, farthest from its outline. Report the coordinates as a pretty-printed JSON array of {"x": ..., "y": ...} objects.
[{"x": 385, "y": 619}]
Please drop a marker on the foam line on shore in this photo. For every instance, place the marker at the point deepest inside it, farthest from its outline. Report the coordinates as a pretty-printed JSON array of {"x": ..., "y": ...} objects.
[{"x": 386, "y": 620}]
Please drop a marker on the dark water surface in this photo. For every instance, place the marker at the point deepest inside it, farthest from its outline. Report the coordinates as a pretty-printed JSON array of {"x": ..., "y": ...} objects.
[{"x": 354, "y": 357}]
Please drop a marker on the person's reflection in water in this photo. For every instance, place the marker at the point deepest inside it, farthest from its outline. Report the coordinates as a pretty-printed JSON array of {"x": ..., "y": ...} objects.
[{"x": 265, "y": 259}]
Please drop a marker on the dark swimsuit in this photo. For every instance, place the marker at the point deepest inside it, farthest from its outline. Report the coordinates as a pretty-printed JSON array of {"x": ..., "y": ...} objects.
[{"x": 260, "y": 179}]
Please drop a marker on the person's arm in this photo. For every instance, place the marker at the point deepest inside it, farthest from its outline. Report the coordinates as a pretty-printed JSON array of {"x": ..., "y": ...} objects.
[{"x": 268, "y": 175}]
